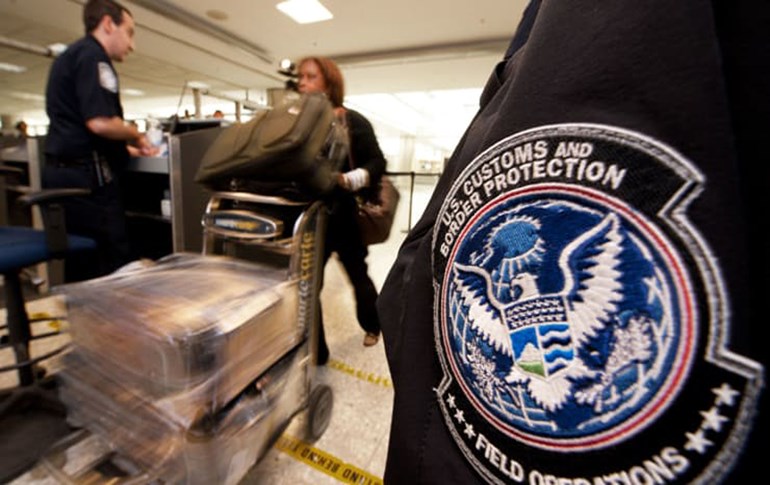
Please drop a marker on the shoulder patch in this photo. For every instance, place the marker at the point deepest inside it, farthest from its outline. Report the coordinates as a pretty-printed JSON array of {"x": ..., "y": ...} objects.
[
  {"x": 107, "y": 77},
  {"x": 581, "y": 320}
]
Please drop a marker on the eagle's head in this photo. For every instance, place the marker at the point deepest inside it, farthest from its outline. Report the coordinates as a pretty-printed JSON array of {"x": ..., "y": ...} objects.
[{"x": 524, "y": 286}]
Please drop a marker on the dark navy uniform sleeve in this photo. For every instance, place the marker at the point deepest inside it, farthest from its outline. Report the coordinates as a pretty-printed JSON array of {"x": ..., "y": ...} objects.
[
  {"x": 97, "y": 86},
  {"x": 577, "y": 303}
]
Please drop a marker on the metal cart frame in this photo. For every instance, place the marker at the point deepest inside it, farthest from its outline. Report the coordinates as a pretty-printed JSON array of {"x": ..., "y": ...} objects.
[{"x": 278, "y": 230}]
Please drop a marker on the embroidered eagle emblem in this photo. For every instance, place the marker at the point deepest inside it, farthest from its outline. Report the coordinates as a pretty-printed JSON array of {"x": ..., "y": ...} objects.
[{"x": 544, "y": 333}]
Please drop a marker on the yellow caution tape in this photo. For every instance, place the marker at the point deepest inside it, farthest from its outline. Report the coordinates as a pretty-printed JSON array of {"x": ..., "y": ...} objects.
[
  {"x": 324, "y": 462},
  {"x": 360, "y": 374}
]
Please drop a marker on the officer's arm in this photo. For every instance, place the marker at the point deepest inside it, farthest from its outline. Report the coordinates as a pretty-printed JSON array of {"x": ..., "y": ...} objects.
[{"x": 115, "y": 129}]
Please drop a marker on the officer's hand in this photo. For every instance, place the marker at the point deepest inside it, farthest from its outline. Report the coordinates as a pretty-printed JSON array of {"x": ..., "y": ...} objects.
[
  {"x": 146, "y": 149},
  {"x": 149, "y": 152}
]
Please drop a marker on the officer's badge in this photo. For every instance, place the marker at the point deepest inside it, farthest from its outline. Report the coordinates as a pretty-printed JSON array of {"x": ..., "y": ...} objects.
[
  {"x": 107, "y": 77},
  {"x": 581, "y": 320}
]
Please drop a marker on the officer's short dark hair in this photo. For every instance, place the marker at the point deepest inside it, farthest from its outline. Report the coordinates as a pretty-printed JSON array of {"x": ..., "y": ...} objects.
[{"x": 94, "y": 10}]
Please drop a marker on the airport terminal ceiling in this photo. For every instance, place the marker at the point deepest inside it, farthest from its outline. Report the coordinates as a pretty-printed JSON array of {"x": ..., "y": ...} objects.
[{"x": 234, "y": 47}]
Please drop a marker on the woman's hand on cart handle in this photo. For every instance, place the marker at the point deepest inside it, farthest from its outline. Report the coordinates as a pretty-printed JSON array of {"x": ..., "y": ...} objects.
[{"x": 354, "y": 180}]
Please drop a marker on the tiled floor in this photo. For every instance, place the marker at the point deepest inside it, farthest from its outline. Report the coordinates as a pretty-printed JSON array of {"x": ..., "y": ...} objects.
[{"x": 354, "y": 446}]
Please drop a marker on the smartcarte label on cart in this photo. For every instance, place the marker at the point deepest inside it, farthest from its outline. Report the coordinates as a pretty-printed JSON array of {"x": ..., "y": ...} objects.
[{"x": 580, "y": 317}]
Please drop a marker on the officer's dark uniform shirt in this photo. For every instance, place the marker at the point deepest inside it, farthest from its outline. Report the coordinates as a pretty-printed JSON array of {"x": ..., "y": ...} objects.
[
  {"x": 581, "y": 302},
  {"x": 82, "y": 85}
]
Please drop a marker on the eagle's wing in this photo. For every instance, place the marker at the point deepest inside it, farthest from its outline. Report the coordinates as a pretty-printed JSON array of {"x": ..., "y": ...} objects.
[
  {"x": 474, "y": 286},
  {"x": 590, "y": 265}
]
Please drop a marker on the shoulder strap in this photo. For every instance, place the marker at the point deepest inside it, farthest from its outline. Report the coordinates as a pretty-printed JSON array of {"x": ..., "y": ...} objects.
[{"x": 343, "y": 116}]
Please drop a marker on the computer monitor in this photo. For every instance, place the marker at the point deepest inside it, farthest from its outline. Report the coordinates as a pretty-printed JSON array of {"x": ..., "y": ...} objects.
[{"x": 176, "y": 125}]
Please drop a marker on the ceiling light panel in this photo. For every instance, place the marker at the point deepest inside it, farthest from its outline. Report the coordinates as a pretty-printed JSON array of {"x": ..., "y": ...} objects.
[{"x": 305, "y": 11}]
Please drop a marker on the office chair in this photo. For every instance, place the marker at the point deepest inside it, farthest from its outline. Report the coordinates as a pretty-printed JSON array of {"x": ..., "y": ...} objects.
[{"x": 31, "y": 417}]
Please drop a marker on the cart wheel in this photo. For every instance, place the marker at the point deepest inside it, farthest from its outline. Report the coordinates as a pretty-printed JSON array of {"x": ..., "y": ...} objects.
[{"x": 320, "y": 408}]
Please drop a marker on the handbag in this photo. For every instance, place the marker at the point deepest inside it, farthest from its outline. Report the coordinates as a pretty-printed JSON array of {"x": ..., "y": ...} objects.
[{"x": 375, "y": 218}]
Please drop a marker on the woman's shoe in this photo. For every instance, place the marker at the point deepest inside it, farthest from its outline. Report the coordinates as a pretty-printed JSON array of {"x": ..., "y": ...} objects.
[{"x": 371, "y": 339}]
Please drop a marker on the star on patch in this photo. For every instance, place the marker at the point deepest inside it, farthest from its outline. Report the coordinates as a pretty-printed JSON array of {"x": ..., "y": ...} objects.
[
  {"x": 697, "y": 441},
  {"x": 713, "y": 420},
  {"x": 725, "y": 394},
  {"x": 460, "y": 416}
]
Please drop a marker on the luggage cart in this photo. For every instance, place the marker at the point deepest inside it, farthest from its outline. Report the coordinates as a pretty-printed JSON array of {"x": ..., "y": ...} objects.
[{"x": 277, "y": 234}]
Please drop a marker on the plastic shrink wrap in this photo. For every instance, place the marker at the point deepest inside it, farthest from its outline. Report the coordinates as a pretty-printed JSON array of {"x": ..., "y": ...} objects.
[
  {"x": 218, "y": 448},
  {"x": 193, "y": 327}
]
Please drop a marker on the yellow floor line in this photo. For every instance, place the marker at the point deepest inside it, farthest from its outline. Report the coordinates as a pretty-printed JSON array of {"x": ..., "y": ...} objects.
[
  {"x": 359, "y": 374},
  {"x": 53, "y": 322},
  {"x": 324, "y": 462}
]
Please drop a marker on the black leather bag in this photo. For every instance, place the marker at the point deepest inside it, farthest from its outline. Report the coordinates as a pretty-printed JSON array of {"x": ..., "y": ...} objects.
[
  {"x": 299, "y": 144},
  {"x": 375, "y": 219}
]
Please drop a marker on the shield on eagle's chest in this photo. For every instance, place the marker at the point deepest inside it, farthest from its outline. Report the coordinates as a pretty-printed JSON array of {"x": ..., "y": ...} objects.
[{"x": 540, "y": 335}]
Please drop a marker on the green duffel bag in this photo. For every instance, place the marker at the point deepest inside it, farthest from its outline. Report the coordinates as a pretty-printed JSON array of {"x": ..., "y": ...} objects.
[{"x": 299, "y": 144}]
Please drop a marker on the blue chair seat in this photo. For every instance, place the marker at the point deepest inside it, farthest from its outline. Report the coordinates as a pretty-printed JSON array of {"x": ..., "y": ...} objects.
[{"x": 23, "y": 246}]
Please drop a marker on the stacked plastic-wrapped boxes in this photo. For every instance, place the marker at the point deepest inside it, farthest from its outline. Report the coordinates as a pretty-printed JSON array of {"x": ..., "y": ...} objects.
[{"x": 189, "y": 366}]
